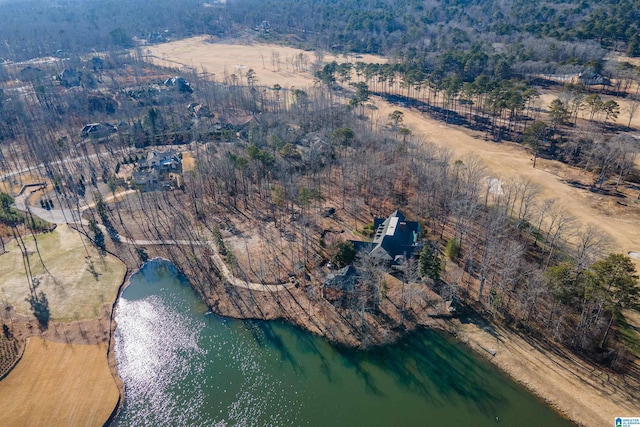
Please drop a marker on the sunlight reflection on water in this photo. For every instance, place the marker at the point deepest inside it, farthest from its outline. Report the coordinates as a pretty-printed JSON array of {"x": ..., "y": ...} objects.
[
  {"x": 173, "y": 373},
  {"x": 154, "y": 345}
]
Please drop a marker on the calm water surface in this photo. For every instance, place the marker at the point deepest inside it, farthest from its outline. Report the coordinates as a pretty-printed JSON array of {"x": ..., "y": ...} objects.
[{"x": 182, "y": 367}]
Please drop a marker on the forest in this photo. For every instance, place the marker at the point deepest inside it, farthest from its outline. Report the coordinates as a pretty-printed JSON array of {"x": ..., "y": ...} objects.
[
  {"x": 276, "y": 158},
  {"x": 413, "y": 28}
]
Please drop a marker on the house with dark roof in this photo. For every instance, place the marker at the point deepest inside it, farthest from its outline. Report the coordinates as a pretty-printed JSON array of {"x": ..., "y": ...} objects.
[
  {"x": 395, "y": 240},
  {"x": 70, "y": 77},
  {"x": 98, "y": 130},
  {"x": 345, "y": 278},
  {"x": 343, "y": 288},
  {"x": 179, "y": 83}
]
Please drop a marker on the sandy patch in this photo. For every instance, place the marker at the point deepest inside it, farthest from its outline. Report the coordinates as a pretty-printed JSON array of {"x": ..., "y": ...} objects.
[
  {"x": 78, "y": 281},
  {"x": 59, "y": 384},
  {"x": 581, "y": 391}
]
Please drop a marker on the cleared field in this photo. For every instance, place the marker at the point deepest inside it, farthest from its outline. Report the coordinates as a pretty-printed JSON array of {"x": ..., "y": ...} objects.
[
  {"x": 272, "y": 64},
  {"x": 76, "y": 282},
  {"x": 58, "y": 384}
]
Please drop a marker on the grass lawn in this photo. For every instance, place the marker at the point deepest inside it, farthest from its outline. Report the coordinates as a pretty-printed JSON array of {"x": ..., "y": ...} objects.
[
  {"x": 58, "y": 384},
  {"x": 75, "y": 283},
  {"x": 629, "y": 330}
]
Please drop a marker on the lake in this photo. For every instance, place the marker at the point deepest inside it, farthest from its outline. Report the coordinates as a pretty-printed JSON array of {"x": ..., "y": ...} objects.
[{"x": 182, "y": 366}]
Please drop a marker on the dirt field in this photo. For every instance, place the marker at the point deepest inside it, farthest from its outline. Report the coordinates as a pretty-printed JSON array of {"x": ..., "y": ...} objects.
[
  {"x": 76, "y": 284},
  {"x": 58, "y": 384},
  {"x": 565, "y": 383}
]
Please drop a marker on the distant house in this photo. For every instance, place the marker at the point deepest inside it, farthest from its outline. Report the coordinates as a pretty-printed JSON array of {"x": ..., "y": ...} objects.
[
  {"x": 97, "y": 63},
  {"x": 98, "y": 130},
  {"x": 338, "y": 286},
  {"x": 395, "y": 241},
  {"x": 162, "y": 161},
  {"x": 70, "y": 77},
  {"x": 200, "y": 111},
  {"x": 123, "y": 126},
  {"x": 179, "y": 83},
  {"x": 158, "y": 167},
  {"x": 591, "y": 78}
]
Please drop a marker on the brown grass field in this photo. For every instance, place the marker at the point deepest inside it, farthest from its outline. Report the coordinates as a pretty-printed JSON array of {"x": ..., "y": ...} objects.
[
  {"x": 58, "y": 384},
  {"x": 72, "y": 290},
  {"x": 587, "y": 395}
]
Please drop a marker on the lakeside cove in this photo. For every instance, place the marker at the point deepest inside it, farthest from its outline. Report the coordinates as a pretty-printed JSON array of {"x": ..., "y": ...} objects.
[{"x": 234, "y": 372}]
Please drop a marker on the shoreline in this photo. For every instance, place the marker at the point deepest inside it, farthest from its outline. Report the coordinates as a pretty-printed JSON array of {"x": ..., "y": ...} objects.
[
  {"x": 580, "y": 391},
  {"x": 577, "y": 390},
  {"x": 568, "y": 385}
]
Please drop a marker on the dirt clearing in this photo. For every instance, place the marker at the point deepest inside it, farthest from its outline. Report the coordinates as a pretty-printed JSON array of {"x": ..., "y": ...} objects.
[{"x": 59, "y": 384}]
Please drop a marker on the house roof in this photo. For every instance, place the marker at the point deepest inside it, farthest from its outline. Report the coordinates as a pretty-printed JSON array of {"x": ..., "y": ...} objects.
[
  {"x": 343, "y": 279},
  {"x": 162, "y": 157},
  {"x": 98, "y": 128},
  {"x": 395, "y": 238},
  {"x": 180, "y": 83}
]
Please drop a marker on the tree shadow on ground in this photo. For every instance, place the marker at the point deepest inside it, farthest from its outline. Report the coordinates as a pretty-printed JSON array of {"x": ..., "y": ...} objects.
[{"x": 40, "y": 308}]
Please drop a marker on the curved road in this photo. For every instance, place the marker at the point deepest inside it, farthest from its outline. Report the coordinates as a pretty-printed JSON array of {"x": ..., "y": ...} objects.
[{"x": 67, "y": 216}]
